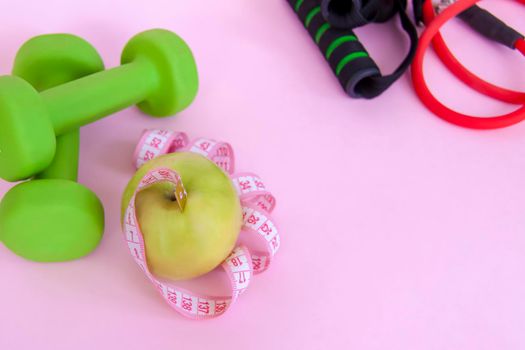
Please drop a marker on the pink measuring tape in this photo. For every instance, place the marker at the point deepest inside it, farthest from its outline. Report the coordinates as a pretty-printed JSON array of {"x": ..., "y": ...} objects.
[{"x": 257, "y": 204}]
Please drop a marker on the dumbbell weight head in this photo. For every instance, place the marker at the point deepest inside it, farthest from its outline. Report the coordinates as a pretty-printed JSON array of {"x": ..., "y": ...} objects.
[
  {"x": 175, "y": 68},
  {"x": 158, "y": 73},
  {"x": 27, "y": 139},
  {"x": 49, "y": 60},
  {"x": 53, "y": 218}
]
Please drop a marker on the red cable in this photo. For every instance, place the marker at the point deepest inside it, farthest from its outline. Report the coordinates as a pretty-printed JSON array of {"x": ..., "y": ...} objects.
[
  {"x": 437, "y": 107},
  {"x": 463, "y": 73}
]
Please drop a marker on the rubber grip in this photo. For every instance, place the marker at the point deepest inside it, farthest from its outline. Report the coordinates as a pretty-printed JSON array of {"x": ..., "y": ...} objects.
[
  {"x": 347, "y": 57},
  {"x": 491, "y": 27},
  {"x": 65, "y": 164}
]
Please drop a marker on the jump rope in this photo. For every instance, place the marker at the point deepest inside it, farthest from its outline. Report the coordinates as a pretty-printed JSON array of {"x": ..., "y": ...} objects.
[{"x": 331, "y": 23}]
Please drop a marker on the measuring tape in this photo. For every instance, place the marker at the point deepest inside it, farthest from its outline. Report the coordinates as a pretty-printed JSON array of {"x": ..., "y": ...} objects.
[{"x": 257, "y": 205}]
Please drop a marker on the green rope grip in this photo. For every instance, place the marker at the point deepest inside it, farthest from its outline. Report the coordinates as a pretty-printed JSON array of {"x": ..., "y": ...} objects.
[
  {"x": 321, "y": 31},
  {"x": 346, "y": 56},
  {"x": 347, "y": 59},
  {"x": 336, "y": 43},
  {"x": 298, "y": 5},
  {"x": 313, "y": 12}
]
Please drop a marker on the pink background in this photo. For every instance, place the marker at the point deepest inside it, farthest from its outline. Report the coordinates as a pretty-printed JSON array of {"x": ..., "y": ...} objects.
[{"x": 399, "y": 231}]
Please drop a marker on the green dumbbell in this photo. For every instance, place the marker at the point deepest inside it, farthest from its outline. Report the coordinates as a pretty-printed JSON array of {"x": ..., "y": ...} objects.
[
  {"x": 53, "y": 218},
  {"x": 158, "y": 73}
]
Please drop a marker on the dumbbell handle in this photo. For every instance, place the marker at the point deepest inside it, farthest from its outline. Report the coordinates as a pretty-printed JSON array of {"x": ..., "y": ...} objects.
[
  {"x": 84, "y": 101},
  {"x": 65, "y": 163}
]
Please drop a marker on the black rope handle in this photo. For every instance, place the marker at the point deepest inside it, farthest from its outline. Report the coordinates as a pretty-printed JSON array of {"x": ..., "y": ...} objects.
[{"x": 356, "y": 71}]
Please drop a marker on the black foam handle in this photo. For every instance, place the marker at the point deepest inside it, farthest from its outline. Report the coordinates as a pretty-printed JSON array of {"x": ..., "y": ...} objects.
[
  {"x": 356, "y": 71},
  {"x": 490, "y": 26},
  {"x": 338, "y": 46}
]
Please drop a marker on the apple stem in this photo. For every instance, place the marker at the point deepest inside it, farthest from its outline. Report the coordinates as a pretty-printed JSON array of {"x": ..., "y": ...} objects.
[{"x": 178, "y": 194}]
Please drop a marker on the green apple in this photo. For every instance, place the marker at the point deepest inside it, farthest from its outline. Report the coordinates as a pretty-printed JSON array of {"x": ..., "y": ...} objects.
[{"x": 189, "y": 243}]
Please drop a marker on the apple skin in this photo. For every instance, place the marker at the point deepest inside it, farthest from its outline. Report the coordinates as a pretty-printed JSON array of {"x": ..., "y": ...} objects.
[{"x": 183, "y": 245}]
